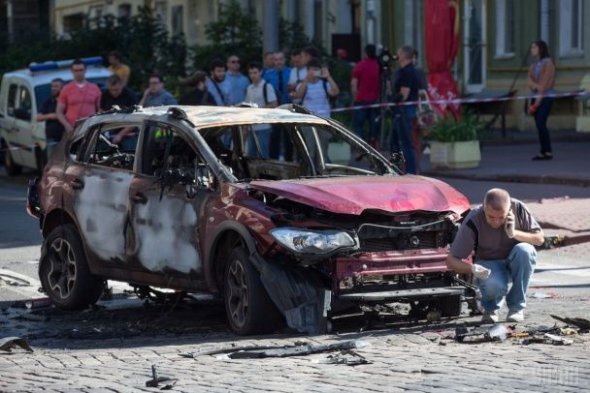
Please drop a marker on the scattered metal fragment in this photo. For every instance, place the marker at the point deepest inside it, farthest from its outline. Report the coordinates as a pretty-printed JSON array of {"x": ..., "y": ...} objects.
[
  {"x": 234, "y": 348},
  {"x": 497, "y": 332},
  {"x": 154, "y": 382},
  {"x": 583, "y": 324},
  {"x": 348, "y": 357},
  {"x": 300, "y": 350},
  {"x": 557, "y": 340},
  {"x": 7, "y": 343}
]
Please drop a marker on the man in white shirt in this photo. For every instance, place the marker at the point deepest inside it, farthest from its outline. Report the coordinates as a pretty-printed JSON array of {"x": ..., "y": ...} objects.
[{"x": 262, "y": 94}]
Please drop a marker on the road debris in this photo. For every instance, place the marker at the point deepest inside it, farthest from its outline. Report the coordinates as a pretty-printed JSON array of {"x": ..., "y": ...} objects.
[
  {"x": 8, "y": 343},
  {"x": 581, "y": 323},
  {"x": 347, "y": 357},
  {"x": 298, "y": 349},
  {"x": 544, "y": 295},
  {"x": 155, "y": 381},
  {"x": 557, "y": 340},
  {"x": 497, "y": 332}
]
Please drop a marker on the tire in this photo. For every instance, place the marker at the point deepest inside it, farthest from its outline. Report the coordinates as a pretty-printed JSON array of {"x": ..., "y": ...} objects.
[
  {"x": 247, "y": 304},
  {"x": 11, "y": 168},
  {"x": 64, "y": 273}
]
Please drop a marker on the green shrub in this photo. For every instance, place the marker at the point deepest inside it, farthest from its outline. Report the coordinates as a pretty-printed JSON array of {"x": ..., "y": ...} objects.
[{"x": 449, "y": 129}]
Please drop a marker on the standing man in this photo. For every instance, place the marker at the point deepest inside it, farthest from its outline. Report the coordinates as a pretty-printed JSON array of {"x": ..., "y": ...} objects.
[
  {"x": 116, "y": 94},
  {"x": 78, "y": 99},
  {"x": 299, "y": 71},
  {"x": 263, "y": 94},
  {"x": 118, "y": 68},
  {"x": 238, "y": 82},
  {"x": 155, "y": 94},
  {"x": 365, "y": 88},
  {"x": 217, "y": 84},
  {"x": 405, "y": 87},
  {"x": 502, "y": 232},
  {"x": 199, "y": 95},
  {"x": 278, "y": 77},
  {"x": 317, "y": 88},
  {"x": 121, "y": 96},
  {"x": 53, "y": 128}
]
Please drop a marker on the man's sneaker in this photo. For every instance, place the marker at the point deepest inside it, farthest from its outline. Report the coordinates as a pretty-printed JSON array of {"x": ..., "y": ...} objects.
[
  {"x": 489, "y": 317},
  {"x": 515, "y": 316}
]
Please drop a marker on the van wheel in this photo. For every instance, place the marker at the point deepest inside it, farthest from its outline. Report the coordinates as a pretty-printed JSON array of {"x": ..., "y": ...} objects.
[
  {"x": 248, "y": 307},
  {"x": 11, "y": 168},
  {"x": 64, "y": 272}
]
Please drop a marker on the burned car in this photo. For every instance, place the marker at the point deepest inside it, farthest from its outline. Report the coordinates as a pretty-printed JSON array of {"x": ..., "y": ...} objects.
[{"x": 285, "y": 215}]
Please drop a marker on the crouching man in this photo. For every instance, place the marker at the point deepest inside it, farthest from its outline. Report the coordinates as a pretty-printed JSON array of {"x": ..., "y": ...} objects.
[{"x": 502, "y": 233}]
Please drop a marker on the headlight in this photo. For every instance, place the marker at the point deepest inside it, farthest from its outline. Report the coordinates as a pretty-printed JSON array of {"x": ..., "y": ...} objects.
[{"x": 306, "y": 241}]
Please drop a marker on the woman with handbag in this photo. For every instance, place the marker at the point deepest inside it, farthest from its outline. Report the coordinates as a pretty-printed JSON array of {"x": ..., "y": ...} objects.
[{"x": 541, "y": 81}]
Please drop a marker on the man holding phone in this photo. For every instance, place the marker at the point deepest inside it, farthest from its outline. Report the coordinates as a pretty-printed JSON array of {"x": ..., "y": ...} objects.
[{"x": 502, "y": 234}]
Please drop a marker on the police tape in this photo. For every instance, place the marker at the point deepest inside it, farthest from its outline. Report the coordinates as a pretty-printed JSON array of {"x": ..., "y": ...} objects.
[
  {"x": 459, "y": 101},
  {"x": 439, "y": 102}
]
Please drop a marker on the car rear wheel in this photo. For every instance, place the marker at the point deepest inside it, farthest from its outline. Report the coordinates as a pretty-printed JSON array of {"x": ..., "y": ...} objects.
[
  {"x": 11, "y": 167},
  {"x": 248, "y": 306},
  {"x": 64, "y": 272}
]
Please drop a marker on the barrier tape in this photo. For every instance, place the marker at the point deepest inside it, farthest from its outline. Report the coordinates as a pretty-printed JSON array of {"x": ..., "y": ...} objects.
[
  {"x": 458, "y": 101},
  {"x": 454, "y": 101}
]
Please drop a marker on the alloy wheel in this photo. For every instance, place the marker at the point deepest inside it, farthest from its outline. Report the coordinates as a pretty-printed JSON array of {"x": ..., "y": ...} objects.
[
  {"x": 61, "y": 275},
  {"x": 237, "y": 293}
]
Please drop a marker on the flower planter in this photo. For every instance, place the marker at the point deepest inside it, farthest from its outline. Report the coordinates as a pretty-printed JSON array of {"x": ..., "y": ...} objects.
[{"x": 455, "y": 155}]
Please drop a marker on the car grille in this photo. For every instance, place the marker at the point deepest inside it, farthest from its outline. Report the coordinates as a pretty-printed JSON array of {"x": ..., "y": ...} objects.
[{"x": 417, "y": 240}]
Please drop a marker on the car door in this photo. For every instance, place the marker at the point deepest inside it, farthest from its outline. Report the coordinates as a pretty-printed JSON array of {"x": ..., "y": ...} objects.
[
  {"x": 24, "y": 126},
  {"x": 9, "y": 129},
  {"x": 100, "y": 182},
  {"x": 165, "y": 198}
]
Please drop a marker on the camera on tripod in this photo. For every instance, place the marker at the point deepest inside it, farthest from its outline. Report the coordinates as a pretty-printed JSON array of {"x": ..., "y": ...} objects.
[{"x": 386, "y": 59}]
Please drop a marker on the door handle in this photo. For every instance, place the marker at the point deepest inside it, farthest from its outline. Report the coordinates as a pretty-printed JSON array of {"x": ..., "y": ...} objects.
[
  {"x": 77, "y": 184},
  {"x": 139, "y": 198}
]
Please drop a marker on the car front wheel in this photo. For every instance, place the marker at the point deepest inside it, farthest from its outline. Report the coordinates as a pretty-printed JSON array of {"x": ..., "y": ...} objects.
[
  {"x": 247, "y": 304},
  {"x": 12, "y": 168},
  {"x": 64, "y": 273}
]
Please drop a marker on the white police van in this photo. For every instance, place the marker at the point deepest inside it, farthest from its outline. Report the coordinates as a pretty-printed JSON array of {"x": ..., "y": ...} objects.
[{"x": 22, "y": 94}]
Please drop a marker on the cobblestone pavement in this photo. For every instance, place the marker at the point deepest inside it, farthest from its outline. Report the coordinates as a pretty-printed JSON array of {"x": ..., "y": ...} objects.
[{"x": 112, "y": 349}]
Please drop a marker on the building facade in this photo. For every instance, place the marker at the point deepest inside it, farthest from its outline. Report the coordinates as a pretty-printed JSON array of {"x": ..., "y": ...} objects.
[{"x": 496, "y": 37}]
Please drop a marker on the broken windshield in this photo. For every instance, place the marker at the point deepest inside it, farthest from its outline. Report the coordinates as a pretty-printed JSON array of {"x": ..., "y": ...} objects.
[{"x": 291, "y": 151}]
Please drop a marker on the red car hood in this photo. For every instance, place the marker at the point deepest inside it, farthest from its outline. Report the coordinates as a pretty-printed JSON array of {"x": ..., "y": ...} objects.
[{"x": 353, "y": 195}]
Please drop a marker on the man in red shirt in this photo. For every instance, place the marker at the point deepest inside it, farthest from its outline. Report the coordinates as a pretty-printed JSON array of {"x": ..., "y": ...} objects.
[
  {"x": 78, "y": 99},
  {"x": 365, "y": 89}
]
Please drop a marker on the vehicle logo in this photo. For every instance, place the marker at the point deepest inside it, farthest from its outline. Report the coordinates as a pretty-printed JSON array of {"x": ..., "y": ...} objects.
[{"x": 414, "y": 241}]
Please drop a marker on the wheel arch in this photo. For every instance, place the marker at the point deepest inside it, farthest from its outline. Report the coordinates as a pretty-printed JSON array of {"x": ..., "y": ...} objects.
[
  {"x": 226, "y": 237},
  {"x": 55, "y": 218}
]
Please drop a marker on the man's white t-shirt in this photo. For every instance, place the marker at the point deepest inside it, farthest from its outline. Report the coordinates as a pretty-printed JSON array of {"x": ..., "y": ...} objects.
[{"x": 255, "y": 95}]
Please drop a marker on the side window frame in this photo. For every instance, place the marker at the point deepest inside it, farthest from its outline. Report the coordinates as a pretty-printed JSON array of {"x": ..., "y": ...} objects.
[{"x": 12, "y": 99}]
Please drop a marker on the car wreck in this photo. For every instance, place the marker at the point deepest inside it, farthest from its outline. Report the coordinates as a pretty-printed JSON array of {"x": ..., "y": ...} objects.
[{"x": 284, "y": 214}]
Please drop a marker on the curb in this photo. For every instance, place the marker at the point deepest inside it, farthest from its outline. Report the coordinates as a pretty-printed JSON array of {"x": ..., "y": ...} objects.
[{"x": 564, "y": 181}]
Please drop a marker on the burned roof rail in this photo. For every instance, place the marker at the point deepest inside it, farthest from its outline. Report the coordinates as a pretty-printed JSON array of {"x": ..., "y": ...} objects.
[
  {"x": 295, "y": 108},
  {"x": 178, "y": 114},
  {"x": 118, "y": 109}
]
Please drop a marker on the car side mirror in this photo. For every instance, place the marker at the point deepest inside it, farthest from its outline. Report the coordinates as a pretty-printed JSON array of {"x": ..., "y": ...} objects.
[{"x": 22, "y": 114}]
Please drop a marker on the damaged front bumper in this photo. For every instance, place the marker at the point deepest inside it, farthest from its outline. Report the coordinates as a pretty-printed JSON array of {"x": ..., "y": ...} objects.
[{"x": 306, "y": 297}]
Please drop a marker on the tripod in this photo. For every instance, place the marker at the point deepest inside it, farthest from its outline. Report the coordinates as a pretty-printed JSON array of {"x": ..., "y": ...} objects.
[{"x": 385, "y": 77}]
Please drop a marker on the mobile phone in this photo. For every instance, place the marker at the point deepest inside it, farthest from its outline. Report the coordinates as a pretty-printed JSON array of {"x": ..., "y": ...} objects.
[{"x": 317, "y": 73}]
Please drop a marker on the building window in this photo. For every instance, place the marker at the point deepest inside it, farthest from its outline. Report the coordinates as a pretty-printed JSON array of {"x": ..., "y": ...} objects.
[
  {"x": 570, "y": 28},
  {"x": 73, "y": 22},
  {"x": 504, "y": 28},
  {"x": 177, "y": 20}
]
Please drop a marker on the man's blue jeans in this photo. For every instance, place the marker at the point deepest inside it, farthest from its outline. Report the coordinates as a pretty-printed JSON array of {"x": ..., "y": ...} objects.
[
  {"x": 518, "y": 268},
  {"x": 401, "y": 132}
]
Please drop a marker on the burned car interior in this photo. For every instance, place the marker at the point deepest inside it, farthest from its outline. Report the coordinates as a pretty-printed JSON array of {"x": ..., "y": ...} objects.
[{"x": 294, "y": 151}]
